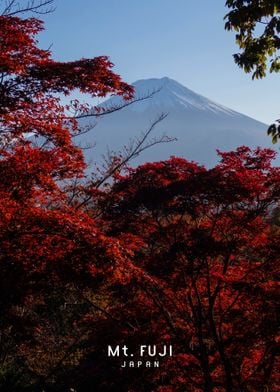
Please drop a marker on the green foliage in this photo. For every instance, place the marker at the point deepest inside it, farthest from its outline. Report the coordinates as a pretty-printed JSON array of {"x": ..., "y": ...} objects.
[
  {"x": 274, "y": 131},
  {"x": 257, "y": 26}
]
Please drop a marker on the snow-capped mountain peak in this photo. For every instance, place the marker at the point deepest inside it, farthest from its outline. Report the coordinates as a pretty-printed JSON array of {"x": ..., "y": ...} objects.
[
  {"x": 199, "y": 125},
  {"x": 166, "y": 93}
]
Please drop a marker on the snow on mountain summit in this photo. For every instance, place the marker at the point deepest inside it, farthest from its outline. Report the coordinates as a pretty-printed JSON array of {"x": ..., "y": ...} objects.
[
  {"x": 199, "y": 125},
  {"x": 167, "y": 93}
]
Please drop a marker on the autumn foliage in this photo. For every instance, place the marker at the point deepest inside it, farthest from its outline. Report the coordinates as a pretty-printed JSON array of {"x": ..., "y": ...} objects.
[
  {"x": 167, "y": 253},
  {"x": 43, "y": 240},
  {"x": 204, "y": 275}
]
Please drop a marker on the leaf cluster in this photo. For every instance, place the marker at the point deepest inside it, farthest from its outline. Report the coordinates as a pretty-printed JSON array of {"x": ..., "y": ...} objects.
[{"x": 257, "y": 26}]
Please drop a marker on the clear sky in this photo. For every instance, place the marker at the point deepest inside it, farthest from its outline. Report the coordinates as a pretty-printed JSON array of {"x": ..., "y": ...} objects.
[{"x": 182, "y": 39}]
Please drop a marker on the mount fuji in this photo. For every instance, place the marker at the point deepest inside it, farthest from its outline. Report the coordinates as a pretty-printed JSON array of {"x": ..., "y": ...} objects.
[{"x": 199, "y": 125}]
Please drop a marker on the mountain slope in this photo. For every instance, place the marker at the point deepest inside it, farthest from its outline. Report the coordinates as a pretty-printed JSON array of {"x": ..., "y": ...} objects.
[{"x": 200, "y": 125}]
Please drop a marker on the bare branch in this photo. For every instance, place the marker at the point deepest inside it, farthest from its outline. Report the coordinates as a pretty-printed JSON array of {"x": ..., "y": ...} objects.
[
  {"x": 83, "y": 130},
  {"x": 13, "y": 7},
  {"x": 136, "y": 147},
  {"x": 95, "y": 113}
]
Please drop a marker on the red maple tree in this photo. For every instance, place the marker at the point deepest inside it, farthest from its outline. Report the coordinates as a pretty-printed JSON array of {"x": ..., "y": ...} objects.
[
  {"x": 44, "y": 242},
  {"x": 203, "y": 275}
]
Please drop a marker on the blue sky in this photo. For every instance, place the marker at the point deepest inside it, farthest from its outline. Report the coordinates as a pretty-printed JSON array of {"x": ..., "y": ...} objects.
[{"x": 182, "y": 39}]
